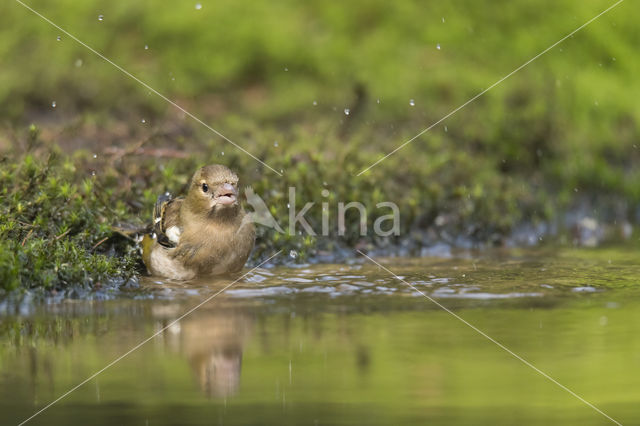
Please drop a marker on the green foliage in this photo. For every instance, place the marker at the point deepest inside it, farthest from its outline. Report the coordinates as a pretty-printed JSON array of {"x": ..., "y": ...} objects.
[{"x": 54, "y": 229}]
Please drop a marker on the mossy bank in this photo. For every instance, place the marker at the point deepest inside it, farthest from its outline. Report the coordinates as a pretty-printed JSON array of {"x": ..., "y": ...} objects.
[{"x": 318, "y": 92}]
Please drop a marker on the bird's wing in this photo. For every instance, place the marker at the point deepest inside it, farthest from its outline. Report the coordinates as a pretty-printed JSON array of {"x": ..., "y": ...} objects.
[{"x": 166, "y": 220}]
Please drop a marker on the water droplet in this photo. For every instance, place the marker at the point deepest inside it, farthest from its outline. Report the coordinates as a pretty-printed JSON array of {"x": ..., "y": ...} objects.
[
  {"x": 315, "y": 103},
  {"x": 293, "y": 254},
  {"x": 286, "y": 69},
  {"x": 347, "y": 111},
  {"x": 443, "y": 19},
  {"x": 282, "y": 171},
  {"x": 275, "y": 144},
  {"x": 438, "y": 46},
  {"x": 412, "y": 102},
  {"x": 143, "y": 121},
  {"x": 222, "y": 153},
  {"x": 78, "y": 63},
  {"x": 288, "y": 205},
  {"x": 198, "y": 6},
  {"x": 378, "y": 100},
  {"x": 53, "y": 104},
  {"x": 100, "y": 18},
  {"x": 146, "y": 47},
  {"x": 59, "y": 38},
  {"x": 93, "y": 172},
  {"x": 95, "y": 155}
]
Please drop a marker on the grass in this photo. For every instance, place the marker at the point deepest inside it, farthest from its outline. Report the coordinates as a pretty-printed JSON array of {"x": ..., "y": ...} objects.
[{"x": 276, "y": 78}]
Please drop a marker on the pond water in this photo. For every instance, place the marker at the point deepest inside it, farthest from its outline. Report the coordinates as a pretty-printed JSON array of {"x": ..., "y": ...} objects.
[{"x": 342, "y": 344}]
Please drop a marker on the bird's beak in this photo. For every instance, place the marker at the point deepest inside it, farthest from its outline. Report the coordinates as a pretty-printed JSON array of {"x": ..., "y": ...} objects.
[{"x": 226, "y": 194}]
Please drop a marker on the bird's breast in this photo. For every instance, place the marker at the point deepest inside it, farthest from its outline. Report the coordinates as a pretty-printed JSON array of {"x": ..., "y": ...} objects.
[{"x": 162, "y": 263}]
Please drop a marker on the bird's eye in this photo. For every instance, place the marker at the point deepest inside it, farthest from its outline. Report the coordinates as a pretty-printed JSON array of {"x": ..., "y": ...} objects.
[{"x": 205, "y": 187}]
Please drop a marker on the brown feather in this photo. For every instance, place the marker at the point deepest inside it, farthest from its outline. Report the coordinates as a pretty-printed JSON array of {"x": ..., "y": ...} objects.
[{"x": 214, "y": 236}]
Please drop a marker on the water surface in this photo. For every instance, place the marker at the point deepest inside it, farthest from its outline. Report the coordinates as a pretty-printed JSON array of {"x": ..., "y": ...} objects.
[{"x": 341, "y": 344}]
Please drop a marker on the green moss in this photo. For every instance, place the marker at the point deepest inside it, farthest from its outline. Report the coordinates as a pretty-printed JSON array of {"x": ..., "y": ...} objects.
[{"x": 54, "y": 230}]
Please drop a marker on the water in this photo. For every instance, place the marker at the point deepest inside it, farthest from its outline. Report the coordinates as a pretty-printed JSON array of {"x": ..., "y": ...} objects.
[{"x": 347, "y": 344}]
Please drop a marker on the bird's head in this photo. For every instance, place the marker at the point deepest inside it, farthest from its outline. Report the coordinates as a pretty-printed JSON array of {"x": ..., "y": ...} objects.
[{"x": 213, "y": 191}]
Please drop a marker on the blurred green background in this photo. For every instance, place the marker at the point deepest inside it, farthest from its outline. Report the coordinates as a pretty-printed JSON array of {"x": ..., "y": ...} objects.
[{"x": 558, "y": 137}]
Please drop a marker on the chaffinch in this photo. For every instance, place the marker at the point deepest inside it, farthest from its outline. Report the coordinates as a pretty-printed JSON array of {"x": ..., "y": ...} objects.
[{"x": 202, "y": 234}]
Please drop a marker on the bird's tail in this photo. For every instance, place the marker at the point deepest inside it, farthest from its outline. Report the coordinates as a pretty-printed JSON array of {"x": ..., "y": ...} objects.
[{"x": 131, "y": 232}]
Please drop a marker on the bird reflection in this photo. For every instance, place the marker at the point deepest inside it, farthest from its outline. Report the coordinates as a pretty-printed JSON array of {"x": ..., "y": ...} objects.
[
  {"x": 218, "y": 371},
  {"x": 213, "y": 342}
]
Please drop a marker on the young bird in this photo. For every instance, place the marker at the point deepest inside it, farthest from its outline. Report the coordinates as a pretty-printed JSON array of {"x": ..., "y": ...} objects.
[{"x": 202, "y": 234}]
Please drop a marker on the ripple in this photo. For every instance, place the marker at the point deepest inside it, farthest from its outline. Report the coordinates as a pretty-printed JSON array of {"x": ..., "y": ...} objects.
[
  {"x": 318, "y": 289},
  {"x": 261, "y": 292},
  {"x": 584, "y": 289}
]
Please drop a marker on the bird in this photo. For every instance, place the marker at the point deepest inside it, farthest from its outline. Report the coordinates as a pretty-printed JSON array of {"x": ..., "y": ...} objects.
[{"x": 203, "y": 234}]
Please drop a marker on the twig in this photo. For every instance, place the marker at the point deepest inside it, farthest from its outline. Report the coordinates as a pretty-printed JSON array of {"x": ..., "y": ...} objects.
[
  {"x": 25, "y": 238},
  {"x": 63, "y": 234},
  {"x": 99, "y": 242},
  {"x": 118, "y": 153}
]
